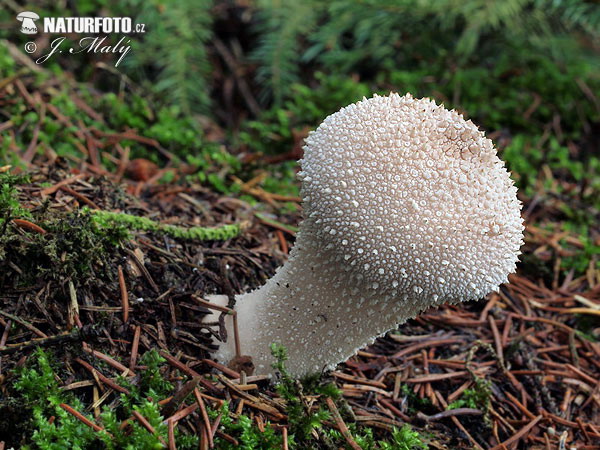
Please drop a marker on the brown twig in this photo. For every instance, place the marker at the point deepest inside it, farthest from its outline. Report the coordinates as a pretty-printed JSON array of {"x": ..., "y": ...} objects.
[
  {"x": 23, "y": 322},
  {"x": 144, "y": 422},
  {"x": 102, "y": 377},
  {"x": 40, "y": 342},
  {"x": 183, "y": 413},
  {"x": 171, "y": 435},
  {"x": 27, "y": 225},
  {"x": 341, "y": 424},
  {"x": 519, "y": 435},
  {"x": 52, "y": 189},
  {"x": 226, "y": 370},
  {"x": 204, "y": 413},
  {"x": 110, "y": 361},
  {"x": 134, "y": 347},
  {"x": 124, "y": 296},
  {"x": 81, "y": 417},
  {"x": 233, "y": 313},
  {"x": 450, "y": 413},
  {"x": 79, "y": 197},
  {"x": 189, "y": 371},
  {"x": 170, "y": 407}
]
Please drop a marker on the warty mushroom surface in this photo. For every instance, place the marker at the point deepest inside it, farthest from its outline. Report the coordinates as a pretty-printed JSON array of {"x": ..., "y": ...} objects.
[{"x": 406, "y": 206}]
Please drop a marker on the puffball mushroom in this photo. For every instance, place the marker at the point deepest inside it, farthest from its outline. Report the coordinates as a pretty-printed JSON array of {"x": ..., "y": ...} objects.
[{"x": 406, "y": 206}]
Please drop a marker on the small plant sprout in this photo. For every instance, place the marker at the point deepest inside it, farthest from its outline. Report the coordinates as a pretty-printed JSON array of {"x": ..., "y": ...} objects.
[{"x": 406, "y": 206}]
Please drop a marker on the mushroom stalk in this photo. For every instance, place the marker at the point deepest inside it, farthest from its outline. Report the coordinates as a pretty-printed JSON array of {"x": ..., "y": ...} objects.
[
  {"x": 406, "y": 206},
  {"x": 314, "y": 310}
]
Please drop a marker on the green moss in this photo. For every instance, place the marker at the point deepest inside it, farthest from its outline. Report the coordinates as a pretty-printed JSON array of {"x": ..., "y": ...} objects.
[
  {"x": 478, "y": 397},
  {"x": 10, "y": 208},
  {"x": 404, "y": 438},
  {"x": 413, "y": 401},
  {"x": 71, "y": 249},
  {"x": 40, "y": 396},
  {"x": 245, "y": 431},
  {"x": 304, "y": 422},
  {"x": 109, "y": 219}
]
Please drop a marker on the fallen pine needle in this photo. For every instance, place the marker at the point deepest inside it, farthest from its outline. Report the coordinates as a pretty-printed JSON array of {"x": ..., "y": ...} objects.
[
  {"x": 520, "y": 434},
  {"x": 207, "y": 425},
  {"x": 124, "y": 296},
  {"x": 81, "y": 417},
  {"x": 27, "y": 225},
  {"x": 144, "y": 422},
  {"x": 171, "y": 431},
  {"x": 341, "y": 424}
]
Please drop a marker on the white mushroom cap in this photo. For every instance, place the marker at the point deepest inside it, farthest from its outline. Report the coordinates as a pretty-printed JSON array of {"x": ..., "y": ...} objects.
[
  {"x": 406, "y": 206},
  {"x": 412, "y": 200}
]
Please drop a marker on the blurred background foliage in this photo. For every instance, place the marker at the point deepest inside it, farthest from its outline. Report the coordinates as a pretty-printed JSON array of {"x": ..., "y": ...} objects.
[{"x": 229, "y": 88}]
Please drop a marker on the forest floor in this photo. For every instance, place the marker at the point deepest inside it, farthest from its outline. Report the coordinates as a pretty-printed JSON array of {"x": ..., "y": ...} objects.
[{"x": 520, "y": 369}]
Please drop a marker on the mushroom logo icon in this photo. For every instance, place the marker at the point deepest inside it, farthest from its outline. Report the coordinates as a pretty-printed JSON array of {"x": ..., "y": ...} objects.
[{"x": 28, "y": 18}]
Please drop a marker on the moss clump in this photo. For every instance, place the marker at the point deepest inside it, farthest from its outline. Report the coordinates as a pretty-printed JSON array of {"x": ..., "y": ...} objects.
[
  {"x": 41, "y": 398},
  {"x": 245, "y": 431},
  {"x": 108, "y": 219},
  {"x": 477, "y": 398},
  {"x": 72, "y": 247},
  {"x": 10, "y": 208},
  {"x": 302, "y": 419},
  {"x": 306, "y": 419}
]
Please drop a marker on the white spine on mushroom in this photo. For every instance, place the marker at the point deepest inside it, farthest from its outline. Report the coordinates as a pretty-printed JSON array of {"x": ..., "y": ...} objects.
[{"x": 406, "y": 206}]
